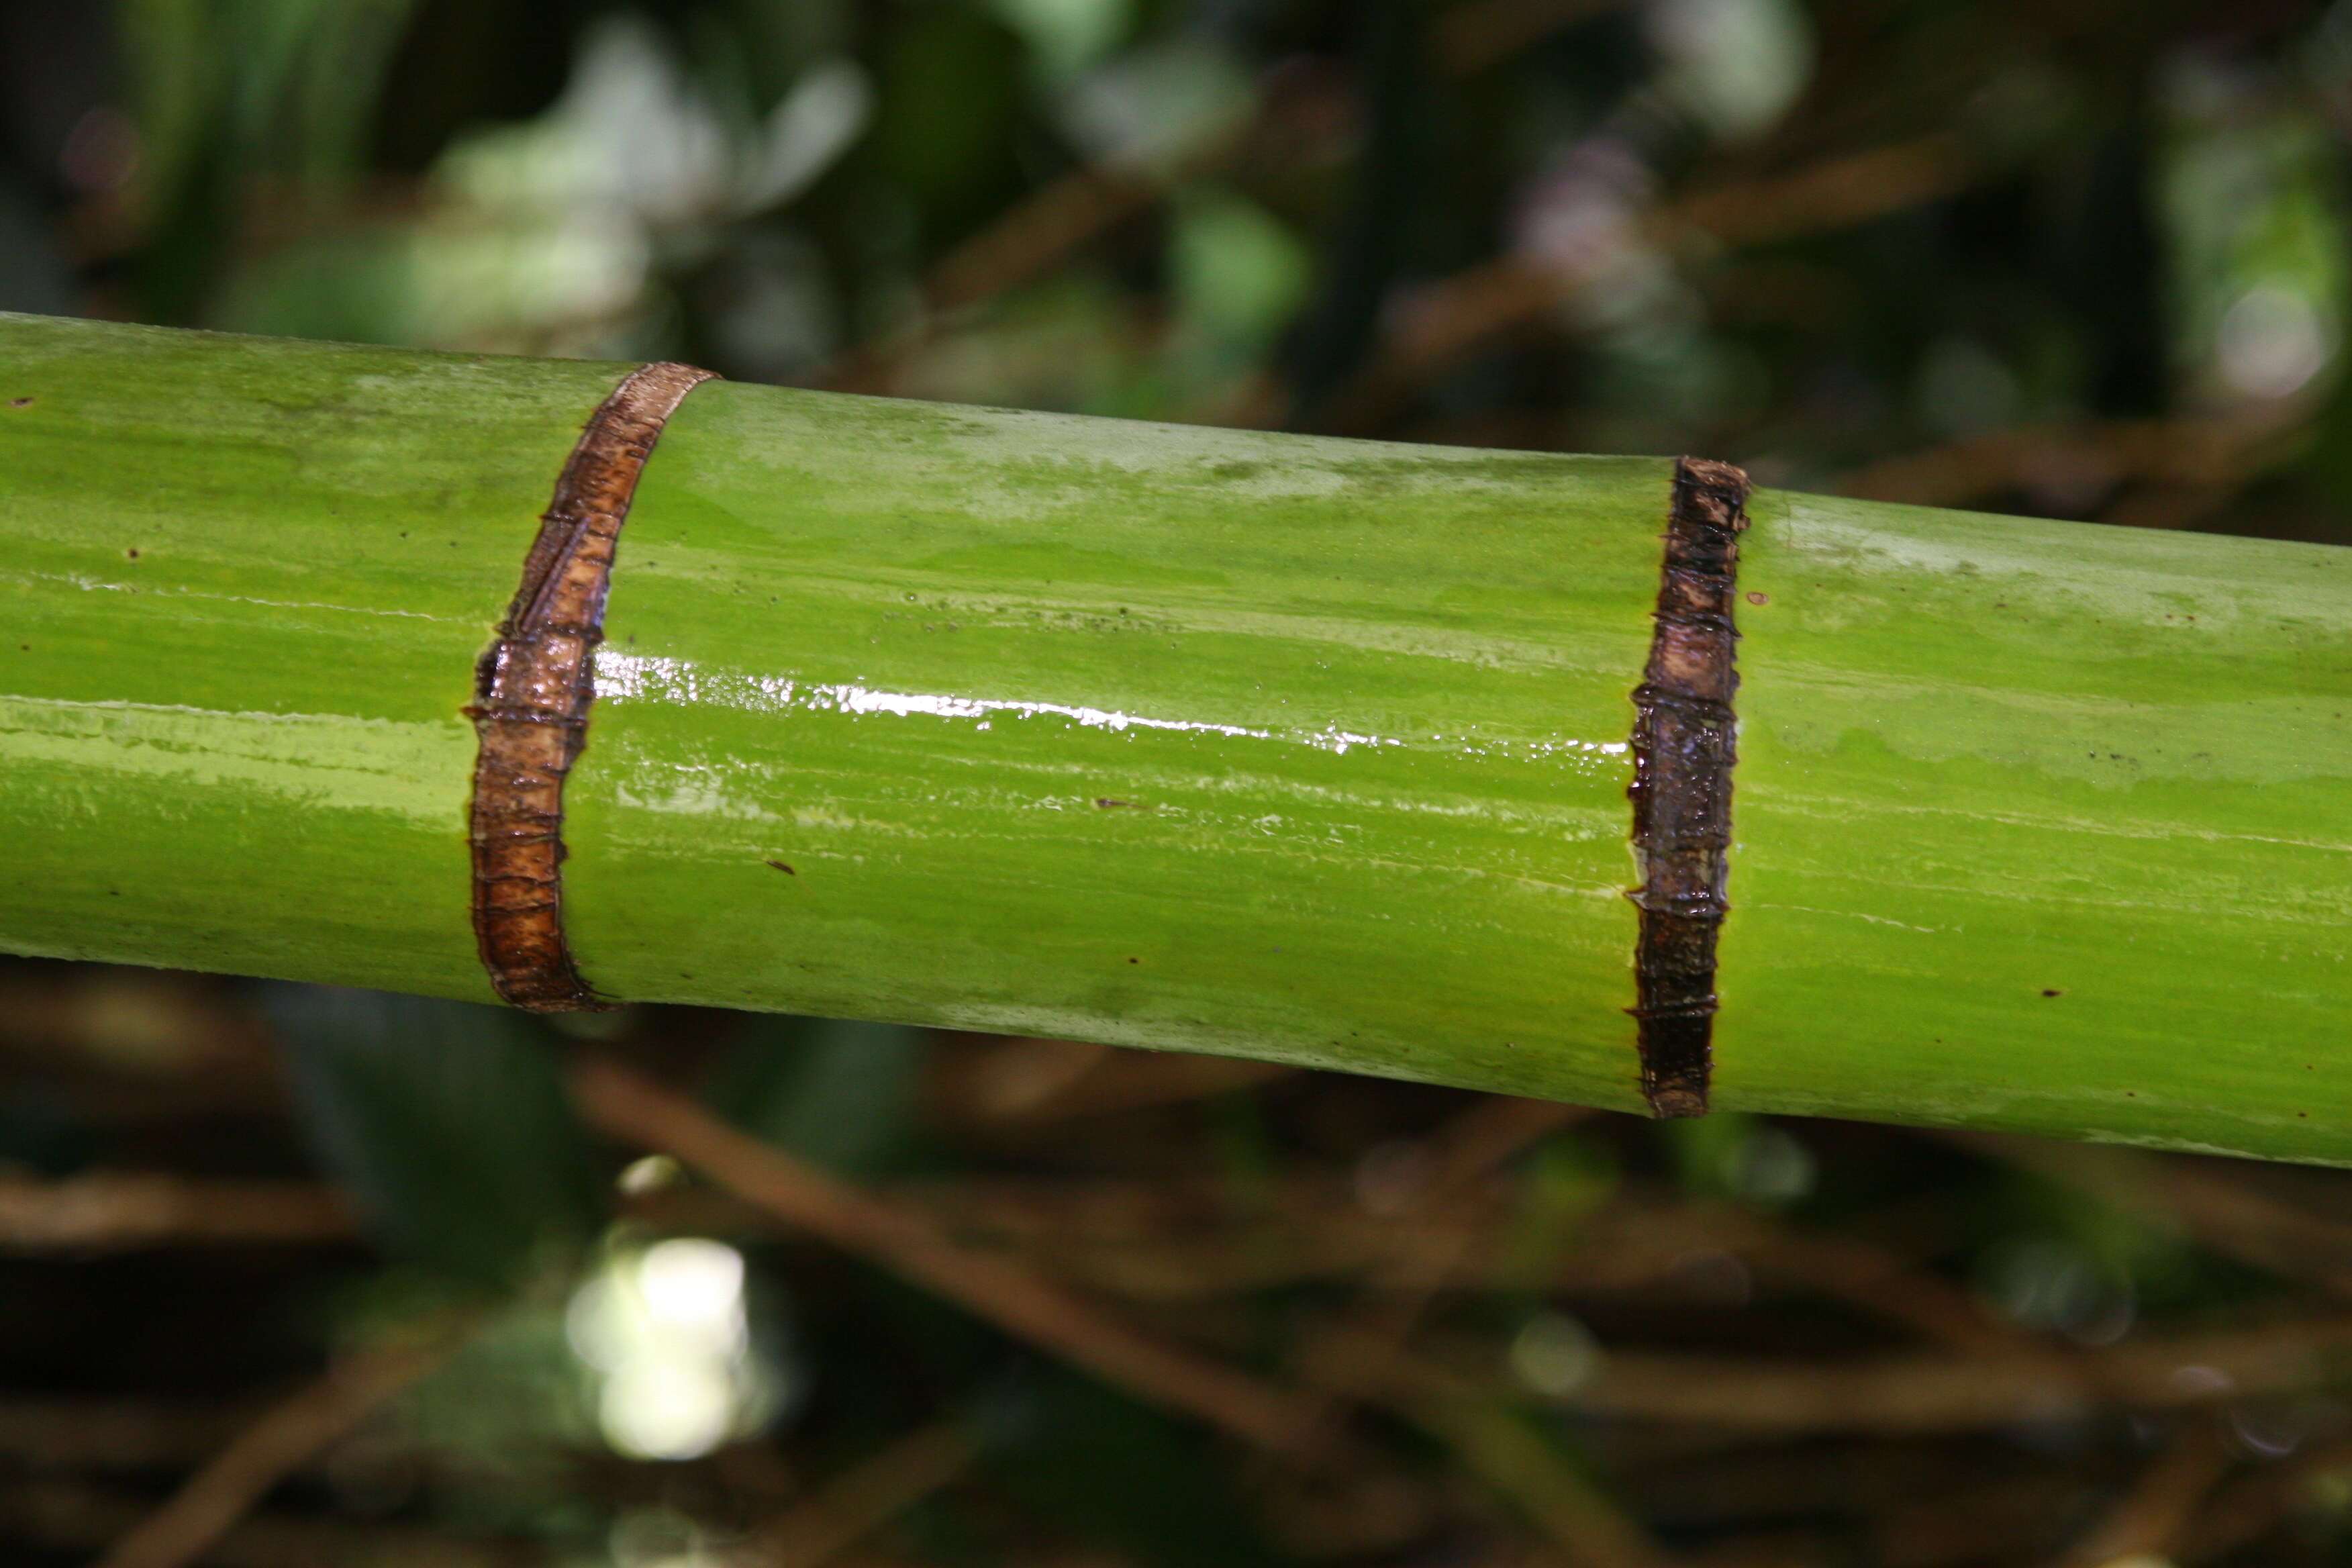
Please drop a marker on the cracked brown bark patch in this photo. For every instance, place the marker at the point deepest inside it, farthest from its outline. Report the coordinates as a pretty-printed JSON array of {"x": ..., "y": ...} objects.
[
  {"x": 1683, "y": 753},
  {"x": 532, "y": 689}
]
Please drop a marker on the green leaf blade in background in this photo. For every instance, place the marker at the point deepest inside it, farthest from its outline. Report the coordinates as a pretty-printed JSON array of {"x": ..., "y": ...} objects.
[
  {"x": 448, "y": 1122},
  {"x": 840, "y": 1093}
]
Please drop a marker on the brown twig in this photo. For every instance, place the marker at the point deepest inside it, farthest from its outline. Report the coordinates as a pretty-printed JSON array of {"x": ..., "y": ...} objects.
[
  {"x": 1872, "y": 1278},
  {"x": 2069, "y": 467},
  {"x": 1033, "y": 235},
  {"x": 1949, "y": 1394},
  {"x": 1464, "y": 1152},
  {"x": 866, "y": 1497},
  {"x": 2150, "y": 1516},
  {"x": 1491, "y": 1440},
  {"x": 631, "y": 1107},
  {"x": 1455, "y": 315},
  {"x": 116, "y": 1212},
  {"x": 2241, "y": 1512},
  {"x": 1576, "y": 1516},
  {"x": 273, "y": 1447},
  {"x": 72, "y": 1516},
  {"x": 2222, "y": 1209},
  {"x": 1047, "y": 226}
]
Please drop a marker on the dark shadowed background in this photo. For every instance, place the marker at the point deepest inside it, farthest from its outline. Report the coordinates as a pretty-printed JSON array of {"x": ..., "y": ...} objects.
[{"x": 364, "y": 1280}]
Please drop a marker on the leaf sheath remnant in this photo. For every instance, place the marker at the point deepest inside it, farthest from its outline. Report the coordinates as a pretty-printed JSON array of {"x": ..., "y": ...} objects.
[
  {"x": 1683, "y": 754},
  {"x": 532, "y": 692}
]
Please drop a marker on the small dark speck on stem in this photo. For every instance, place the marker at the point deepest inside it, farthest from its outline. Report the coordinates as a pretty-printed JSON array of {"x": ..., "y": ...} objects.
[
  {"x": 1135, "y": 960},
  {"x": 2053, "y": 992},
  {"x": 20, "y": 402},
  {"x": 787, "y": 870},
  {"x": 133, "y": 552}
]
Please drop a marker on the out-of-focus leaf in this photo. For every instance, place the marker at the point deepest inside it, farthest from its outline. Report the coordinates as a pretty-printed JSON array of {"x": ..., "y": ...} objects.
[
  {"x": 1067, "y": 35},
  {"x": 448, "y": 1122},
  {"x": 951, "y": 103},
  {"x": 1239, "y": 275},
  {"x": 239, "y": 87},
  {"x": 838, "y": 1093},
  {"x": 32, "y": 274},
  {"x": 2249, "y": 188},
  {"x": 1370, "y": 250},
  {"x": 1111, "y": 1470}
]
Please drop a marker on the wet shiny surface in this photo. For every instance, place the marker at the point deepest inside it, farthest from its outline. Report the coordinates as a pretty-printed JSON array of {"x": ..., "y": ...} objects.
[
  {"x": 1164, "y": 736},
  {"x": 243, "y": 601},
  {"x": 2044, "y": 826}
]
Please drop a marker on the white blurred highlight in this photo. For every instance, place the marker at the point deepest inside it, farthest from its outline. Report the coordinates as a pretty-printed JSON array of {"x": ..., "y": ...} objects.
[
  {"x": 666, "y": 1329},
  {"x": 2271, "y": 341}
]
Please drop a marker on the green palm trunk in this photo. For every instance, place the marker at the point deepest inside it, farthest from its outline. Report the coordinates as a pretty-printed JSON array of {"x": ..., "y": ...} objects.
[{"x": 1271, "y": 745}]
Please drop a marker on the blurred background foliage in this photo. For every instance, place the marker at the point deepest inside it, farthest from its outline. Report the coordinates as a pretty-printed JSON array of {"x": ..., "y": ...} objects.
[{"x": 292, "y": 1275}]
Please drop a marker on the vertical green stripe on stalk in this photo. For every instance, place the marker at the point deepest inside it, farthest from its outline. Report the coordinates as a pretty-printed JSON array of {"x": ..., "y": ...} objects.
[
  {"x": 243, "y": 584},
  {"x": 1984, "y": 759},
  {"x": 1174, "y": 737}
]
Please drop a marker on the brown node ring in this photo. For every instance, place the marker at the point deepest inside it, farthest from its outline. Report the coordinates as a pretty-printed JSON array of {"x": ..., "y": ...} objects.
[
  {"x": 532, "y": 692},
  {"x": 1684, "y": 734}
]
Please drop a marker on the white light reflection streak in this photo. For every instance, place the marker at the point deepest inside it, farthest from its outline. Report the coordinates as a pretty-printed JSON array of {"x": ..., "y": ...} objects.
[{"x": 642, "y": 677}]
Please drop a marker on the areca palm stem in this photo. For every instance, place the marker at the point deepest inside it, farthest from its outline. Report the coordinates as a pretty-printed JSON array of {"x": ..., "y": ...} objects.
[{"x": 571, "y": 683}]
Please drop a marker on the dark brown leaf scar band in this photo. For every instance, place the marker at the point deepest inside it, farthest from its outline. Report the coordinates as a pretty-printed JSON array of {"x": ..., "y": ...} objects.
[
  {"x": 532, "y": 688},
  {"x": 1684, "y": 734}
]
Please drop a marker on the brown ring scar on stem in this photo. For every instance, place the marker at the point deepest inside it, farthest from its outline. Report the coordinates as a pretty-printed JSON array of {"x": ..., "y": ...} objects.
[
  {"x": 1684, "y": 738},
  {"x": 532, "y": 688}
]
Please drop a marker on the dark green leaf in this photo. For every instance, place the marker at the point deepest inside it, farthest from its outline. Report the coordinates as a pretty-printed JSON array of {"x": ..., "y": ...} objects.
[{"x": 446, "y": 1121}]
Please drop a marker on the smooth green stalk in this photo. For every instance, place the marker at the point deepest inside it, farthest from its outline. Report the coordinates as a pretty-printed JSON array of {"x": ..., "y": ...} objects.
[{"x": 1270, "y": 745}]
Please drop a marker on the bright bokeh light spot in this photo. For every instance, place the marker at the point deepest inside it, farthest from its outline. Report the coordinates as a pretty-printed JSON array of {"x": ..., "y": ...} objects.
[
  {"x": 1554, "y": 1355},
  {"x": 1738, "y": 65},
  {"x": 660, "y": 1538},
  {"x": 650, "y": 1174},
  {"x": 695, "y": 1287},
  {"x": 666, "y": 1329},
  {"x": 667, "y": 1407},
  {"x": 2272, "y": 342}
]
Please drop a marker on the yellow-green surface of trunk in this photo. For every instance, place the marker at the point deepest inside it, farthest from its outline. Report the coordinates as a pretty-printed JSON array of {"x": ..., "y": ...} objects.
[{"x": 1270, "y": 745}]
